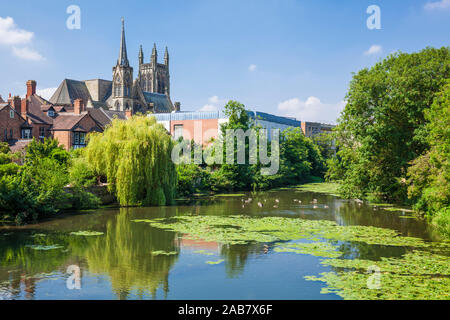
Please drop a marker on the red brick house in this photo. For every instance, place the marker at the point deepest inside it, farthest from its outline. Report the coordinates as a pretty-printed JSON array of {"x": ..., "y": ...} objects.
[{"x": 34, "y": 117}]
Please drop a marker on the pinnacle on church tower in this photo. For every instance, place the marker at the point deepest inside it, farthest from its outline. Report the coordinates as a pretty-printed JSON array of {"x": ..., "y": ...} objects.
[{"x": 141, "y": 55}]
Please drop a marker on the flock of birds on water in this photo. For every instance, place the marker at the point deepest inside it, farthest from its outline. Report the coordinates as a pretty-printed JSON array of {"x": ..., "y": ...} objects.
[{"x": 277, "y": 202}]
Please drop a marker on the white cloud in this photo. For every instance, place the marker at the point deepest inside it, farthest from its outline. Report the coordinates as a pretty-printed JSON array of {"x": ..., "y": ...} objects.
[
  {"x": 442, "y": 4},
  {"x": 252, "y": 67},
  {"x": 311, "y": 110},
  {"x": 214, "y": 99},
  {"x": 209, "y": 107},
  {"x": 46, "y": 93},
  {"x": 214, "y": 104},
  {"x": 27, "y": 54},
  {"x": 375, "y": 49},
  {"x": 12, "y": 36}
]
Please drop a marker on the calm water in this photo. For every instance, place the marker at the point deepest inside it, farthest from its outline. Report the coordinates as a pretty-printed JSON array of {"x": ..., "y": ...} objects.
[{"x": 119, "y": 264}]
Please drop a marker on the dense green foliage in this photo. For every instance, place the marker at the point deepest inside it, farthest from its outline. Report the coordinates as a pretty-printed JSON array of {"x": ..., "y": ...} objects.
[
  {"x": 388, "y": 125},
  {"x": 429, "y": 175},
  {"x": 37, "y": 188},
  {"x": 134, "y": 155},
  {"x": 382, "y": 127}
]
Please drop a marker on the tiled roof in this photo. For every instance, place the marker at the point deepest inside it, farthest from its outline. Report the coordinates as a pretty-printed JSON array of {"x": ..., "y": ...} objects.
[
  {"x": 1, "y": 100},
  {"x": 161, "y": 102},
  {"x": 67, "y": 121},
  {"x": 68, "y": 91},
  {"x": 99, "y": 116},
  {"x": 18, "y": 145},
  {"x": 35, "y": 113},
  {"x": 115, "y": 114}
]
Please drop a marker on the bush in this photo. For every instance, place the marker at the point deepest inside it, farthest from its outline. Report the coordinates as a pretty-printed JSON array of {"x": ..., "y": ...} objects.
[
  {"x": 81, "y": 173},
  {"x": 191, "y": 179}
]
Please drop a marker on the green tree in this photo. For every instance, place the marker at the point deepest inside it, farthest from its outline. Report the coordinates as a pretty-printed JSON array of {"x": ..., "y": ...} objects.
[
  {"x": 429, "y": 175},
  {"x": 49, "y": 148},
  {"x": 134, "y": 155},
  {"x": 383, "y": 126}
]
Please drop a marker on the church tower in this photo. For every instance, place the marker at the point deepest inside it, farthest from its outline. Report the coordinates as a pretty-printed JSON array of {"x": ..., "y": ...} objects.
[{"x": 122, "y": 79}]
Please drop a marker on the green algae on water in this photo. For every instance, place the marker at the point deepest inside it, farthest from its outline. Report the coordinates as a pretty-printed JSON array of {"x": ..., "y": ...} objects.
[
  {"x": 415, "y": 275},
  {"x": 86, "y": 233},
  {"x": 244, "y": 229},
  {"x": 164, "y": 253},
  {"x": 318, "y": 249},
  {"x": 45, "y": 248},
  {"x": 215, "y": 262},
  {"x": 323, "y": 187}
]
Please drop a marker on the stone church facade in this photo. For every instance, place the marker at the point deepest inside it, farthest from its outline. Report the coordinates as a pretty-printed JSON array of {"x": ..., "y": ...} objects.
[{"x": 149, "y": 92}]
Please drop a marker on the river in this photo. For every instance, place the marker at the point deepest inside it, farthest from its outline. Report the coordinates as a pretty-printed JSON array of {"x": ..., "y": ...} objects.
[{"x": 46, "y": 261}]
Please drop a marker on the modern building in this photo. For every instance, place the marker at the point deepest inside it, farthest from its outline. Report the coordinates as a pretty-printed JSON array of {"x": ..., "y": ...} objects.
[
  {"x": 311, "y": 129},
  {"x": 150, "y": 91},
  {"x": 202, "y": 127}
]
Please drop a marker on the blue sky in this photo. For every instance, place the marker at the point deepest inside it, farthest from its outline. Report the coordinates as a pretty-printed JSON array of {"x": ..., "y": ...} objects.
[{"x": 286, "y": 57}]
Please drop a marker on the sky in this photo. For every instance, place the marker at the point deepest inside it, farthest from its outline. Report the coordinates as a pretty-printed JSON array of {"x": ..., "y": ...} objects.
[{"x": 286, "y": 57}]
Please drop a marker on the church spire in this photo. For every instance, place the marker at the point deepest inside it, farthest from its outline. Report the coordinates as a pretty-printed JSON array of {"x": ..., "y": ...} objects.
[{"x": 123, "y": 59}]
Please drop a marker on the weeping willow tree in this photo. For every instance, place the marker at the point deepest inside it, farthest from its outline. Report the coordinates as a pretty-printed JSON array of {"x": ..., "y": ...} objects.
[{"x": 134, "y": 155}]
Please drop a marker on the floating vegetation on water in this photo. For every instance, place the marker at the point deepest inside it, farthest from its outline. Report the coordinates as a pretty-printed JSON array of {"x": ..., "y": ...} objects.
[
  {"x": 204, "y": 252},
  {"x": 86, "y": 233},
  {"x": 395, "y": 209},
  {"x": 318, "y": 249},
  {"x": 244, "y": 229},
  {"x": 416, "y": 275},
  {"x": 215, "y": 262},
  {"x": 45, "y": 248},
  {"x": 324, "y": 187},
  {"x": 164, "y": 253},
  {"x": 38, "y": 235}
]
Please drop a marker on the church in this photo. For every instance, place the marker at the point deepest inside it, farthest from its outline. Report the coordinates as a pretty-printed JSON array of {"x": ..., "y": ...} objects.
[{"x": 149, "y": 92}]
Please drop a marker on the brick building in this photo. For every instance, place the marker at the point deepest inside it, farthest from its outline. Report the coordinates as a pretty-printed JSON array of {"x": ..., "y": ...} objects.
[{"x": 34, "y": 117}]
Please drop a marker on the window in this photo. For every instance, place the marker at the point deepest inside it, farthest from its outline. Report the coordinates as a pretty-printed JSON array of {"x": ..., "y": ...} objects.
[
  {"x": 26, "y": 134},
  {"x": 42, "y": 132},
  {"x": 11, "y": 114},
  {"x": 6, "y": 135},
  {"x": 11, "y": 133},
  {"x": 51, "y": 113},
  {"x": 79, "y": 140},
  {"x": 178, "y": 131}
]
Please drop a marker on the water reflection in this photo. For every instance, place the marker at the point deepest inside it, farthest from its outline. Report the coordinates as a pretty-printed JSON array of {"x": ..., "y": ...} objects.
[{"x": 123, "y": 254}]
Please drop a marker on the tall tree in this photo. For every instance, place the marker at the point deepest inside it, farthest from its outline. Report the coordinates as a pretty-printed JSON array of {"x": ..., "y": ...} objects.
[
  {"x": 383, "y": 126},
  {"x": 134, "y": 155}
]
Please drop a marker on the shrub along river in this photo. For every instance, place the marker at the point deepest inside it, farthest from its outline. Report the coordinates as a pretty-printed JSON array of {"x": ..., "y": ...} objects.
[{"x": 283, "y": 244}]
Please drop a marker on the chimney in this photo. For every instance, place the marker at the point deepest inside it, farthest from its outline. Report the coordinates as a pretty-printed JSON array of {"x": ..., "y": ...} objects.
[
  {"x": 24, "y": 108},
  {"x": 128, "y": 113},
  {"x": 31, "y": 88},
  {"x": 78, "y": 106},
  {"x": 10, "y": 100},
  {"x": 177, "y": 106},
  {"x": 16, "y": 103}
]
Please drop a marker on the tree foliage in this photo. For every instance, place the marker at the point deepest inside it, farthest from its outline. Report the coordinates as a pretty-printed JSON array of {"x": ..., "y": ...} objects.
[
  {"x": 383, "y": 126},
  {"x": 134, "y": 155},
  {"x": 429, "y": 175}
]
